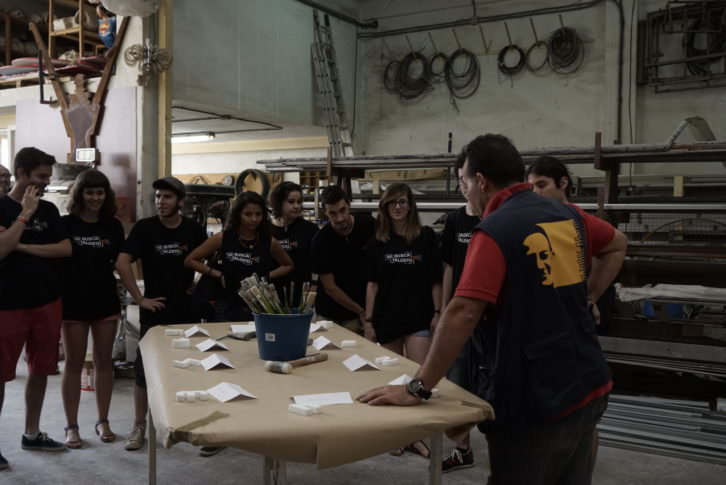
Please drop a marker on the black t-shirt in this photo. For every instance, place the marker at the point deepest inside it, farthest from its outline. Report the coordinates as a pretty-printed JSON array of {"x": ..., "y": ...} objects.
[
  {"x": 162, "y": 251},
  {"x": 89, "y": 287},
  {"x": 240, "y": 260},
  {"x": 405, "y": 274},
  {"x": 344, "y": 257},
  {"x": 30, "y": 281},
  {"x": 296, "y": 239},
  {"x": 455, "y": 241}
]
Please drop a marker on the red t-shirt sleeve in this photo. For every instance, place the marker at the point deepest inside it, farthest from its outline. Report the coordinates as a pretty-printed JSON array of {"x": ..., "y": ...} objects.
[
  {"x": 599, "y": 234},
  {"x": 484, "y": 269}
]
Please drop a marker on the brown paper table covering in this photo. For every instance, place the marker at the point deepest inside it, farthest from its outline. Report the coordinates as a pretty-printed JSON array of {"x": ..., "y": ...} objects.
[{"x": 340, "y": 434}]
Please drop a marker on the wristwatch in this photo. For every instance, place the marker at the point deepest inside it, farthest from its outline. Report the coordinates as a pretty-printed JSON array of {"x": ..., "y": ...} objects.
[{"x": 416, "y": 388}]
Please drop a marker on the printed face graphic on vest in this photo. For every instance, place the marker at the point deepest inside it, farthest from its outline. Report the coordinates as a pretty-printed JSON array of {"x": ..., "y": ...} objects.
[{"x": 558, "y": 253}]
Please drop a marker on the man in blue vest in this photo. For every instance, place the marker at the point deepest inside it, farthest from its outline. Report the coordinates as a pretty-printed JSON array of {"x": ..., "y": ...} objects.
[{"x": 526, "y": 265}]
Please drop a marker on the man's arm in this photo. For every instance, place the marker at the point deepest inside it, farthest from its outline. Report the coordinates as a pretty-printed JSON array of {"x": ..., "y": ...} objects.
[
  {"x": 606, "y": 265},
  {"x": 10, "y": 236},
  {"x": 436, "y": 296},
  {"x": 457, "y": 325},
  {"x": 371, "y": 292},
  {"x": 340, "y": 297},
  {"x": 61, "y": 249},
  {"x": 123, "y": 267},
  {"x": 447, "y": 283}
]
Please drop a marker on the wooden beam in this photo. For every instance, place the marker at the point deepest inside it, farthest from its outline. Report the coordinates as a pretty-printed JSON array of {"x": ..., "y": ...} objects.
[{"x": 164, "y": 28}]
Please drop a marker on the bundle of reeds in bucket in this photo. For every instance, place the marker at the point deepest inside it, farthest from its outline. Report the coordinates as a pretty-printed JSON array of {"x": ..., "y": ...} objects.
[{"x": 261, "y": 296}]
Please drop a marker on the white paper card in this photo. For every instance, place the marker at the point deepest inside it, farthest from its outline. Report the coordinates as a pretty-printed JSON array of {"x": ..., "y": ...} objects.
[
  {"x": 327, "y": 399},
  {"x": 243, "y": 328},
  {"x": 195, "y": 331},
  {"x": 211, "y": 344},
  {"x": 316, "y": 327},
  {"x": 227, "y": 391},
  {"x": 216, "y": 361},
  {"x": 321, "y": 343},
  {"x": 355, "y": 362},
  {"x": 401, "y": 380}
]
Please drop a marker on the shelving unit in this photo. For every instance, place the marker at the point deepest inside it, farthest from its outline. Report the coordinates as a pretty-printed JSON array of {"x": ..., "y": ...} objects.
[
  {"x": 11, "y": 26},
  {"x": 79, "y": 33}
]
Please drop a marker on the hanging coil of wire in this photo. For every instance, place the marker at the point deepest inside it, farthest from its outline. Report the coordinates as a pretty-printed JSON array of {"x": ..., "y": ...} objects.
[
  {"x": 712, "y": 27},
  {"x": 539, "y": 46},
  {"x": 510, "y": 64},
  {"x": 414, "y": 76},
  {"x": 437, "y": 67},
  {"x": 463, "y": 83},
  {"x": 390, "y": 77},
  {"x": 566, "y": 50}
]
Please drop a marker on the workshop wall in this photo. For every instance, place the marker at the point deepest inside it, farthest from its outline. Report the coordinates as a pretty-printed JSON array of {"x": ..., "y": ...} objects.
[
  {"x": 541, "y": 109},
  {"x": 253, "y": 57},
  {"x": 116, "y": 140}
]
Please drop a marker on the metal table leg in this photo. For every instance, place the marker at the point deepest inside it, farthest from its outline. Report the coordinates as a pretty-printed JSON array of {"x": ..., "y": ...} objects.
[
  {"x": 152, "y": 449},
  {"x": 437, "y": 454},
  {"x": 275, "y": 472}
]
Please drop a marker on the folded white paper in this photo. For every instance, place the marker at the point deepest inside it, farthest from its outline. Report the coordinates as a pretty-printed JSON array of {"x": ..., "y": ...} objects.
[
  {"x": 227, "y": 391},
  {"x": 243, "y": 328},
  {"x": 348, "y": 343},
  {"x": 327, "y": 399},
  {"x": 401, "y": 380},
  {"x": 216, "y": 361},
  {"x": 355, "y": 362},
  {"x": 316, "y": 327},
  {"x": 211, "y": 344},
  {"x": 173, "y": 332},
  {"x": 322, "y": 343},
  {"x": 195, "y": 331},
  {"x": 326, "y": 324}
]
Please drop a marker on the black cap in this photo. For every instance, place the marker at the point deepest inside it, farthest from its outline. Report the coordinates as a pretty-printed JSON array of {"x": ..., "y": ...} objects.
[{"x": 171, "y": 183}]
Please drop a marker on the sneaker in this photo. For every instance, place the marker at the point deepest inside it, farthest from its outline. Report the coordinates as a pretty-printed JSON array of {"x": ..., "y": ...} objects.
[
  {"x": 457, "y": 460},
  {"x": 3, "y": 462},
  {"x": 136, "y": 439},
  {"x": 41, "y": 443},
  {"x": 210, "y": 450}
]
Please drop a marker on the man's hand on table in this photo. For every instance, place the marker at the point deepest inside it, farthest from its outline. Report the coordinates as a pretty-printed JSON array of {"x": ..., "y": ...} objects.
[{"x": 395, "y": 395}]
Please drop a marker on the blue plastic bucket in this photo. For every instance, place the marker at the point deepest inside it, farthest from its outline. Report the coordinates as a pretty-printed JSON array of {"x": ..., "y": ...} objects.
[{"x": 282, "y": 337}]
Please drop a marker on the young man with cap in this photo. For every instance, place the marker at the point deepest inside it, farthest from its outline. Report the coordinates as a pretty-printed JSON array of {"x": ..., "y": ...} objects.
[
  {"x": 338, "y": 255},
  {"x": 161, "y": 243},
  {"x": 527, "y": 260},
  {"x": 32, "y": 240}
]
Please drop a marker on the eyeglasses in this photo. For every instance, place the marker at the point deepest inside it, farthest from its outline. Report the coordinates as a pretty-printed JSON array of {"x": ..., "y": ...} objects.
[{"x": 399, "y": 203}]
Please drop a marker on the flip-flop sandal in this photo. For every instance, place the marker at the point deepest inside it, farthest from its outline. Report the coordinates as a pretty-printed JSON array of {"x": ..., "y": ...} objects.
[
  {"x": 420, "y": 448},
  {"x": 109, "y": 437},
  {"x": 73, "y": 444}
]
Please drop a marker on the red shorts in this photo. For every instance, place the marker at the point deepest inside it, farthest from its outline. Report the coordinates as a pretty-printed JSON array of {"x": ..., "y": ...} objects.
[{"x": 39, "y": 330}]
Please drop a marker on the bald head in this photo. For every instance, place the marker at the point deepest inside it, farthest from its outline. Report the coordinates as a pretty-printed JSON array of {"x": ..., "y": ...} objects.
[{"x": 4, "y": 181}]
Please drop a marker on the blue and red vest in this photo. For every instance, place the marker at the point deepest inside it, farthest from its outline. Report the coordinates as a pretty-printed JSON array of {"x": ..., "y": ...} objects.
[{"x": 548, "y": 357}]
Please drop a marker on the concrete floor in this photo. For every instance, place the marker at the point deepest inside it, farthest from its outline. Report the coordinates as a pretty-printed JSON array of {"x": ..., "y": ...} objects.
[{"x": 110, "y": 464}]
